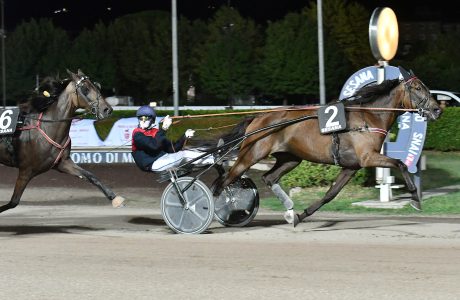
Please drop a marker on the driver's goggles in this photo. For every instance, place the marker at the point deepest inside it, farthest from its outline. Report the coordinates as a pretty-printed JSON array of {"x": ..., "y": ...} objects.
[{"x": 144, "y": 118}]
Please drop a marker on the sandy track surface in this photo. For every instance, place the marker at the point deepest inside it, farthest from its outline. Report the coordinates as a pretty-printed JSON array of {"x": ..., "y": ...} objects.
[{"x": 64, "y": 241}]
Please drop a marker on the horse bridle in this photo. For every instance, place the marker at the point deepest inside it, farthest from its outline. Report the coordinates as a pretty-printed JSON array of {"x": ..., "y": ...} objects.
[
  {"x": 94, "y": 105},
  {"x": 420, "y": 104}
]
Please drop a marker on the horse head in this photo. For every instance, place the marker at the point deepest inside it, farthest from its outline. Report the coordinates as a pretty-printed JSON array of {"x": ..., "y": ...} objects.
[
  {"x": 88, "y": 95},
  {"x": 417, "y": 95}
]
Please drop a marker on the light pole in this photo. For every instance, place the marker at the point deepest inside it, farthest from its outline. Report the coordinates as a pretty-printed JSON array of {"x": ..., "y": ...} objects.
[
  {"x": 227, "y": 31},
  {"x": 322, "y": 85},
  {"x": 174, "y": 57},
  {"x": 2, "y": 33},
  {"x": 383, "y": 38}
]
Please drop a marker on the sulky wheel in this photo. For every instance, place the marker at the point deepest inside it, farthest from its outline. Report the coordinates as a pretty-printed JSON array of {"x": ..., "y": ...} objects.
[
  {"x": 195, "y": 215},
  {"x": 238, "y": 203}
]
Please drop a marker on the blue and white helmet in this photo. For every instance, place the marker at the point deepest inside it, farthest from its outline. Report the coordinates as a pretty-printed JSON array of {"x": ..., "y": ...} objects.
[{"x": 146, "y": 116}]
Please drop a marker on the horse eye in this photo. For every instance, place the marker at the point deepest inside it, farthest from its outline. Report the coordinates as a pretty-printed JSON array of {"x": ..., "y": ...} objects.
[{"x": 84, "y": 90}]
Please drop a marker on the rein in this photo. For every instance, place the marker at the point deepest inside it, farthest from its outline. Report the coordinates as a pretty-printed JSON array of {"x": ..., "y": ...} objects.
[
  {"x": 233, "y": 144},
  {"x": 50, "y": 140},
  {"x": 349, "y": 108},
  {"x": 58, "y": 120},
  {"x": 293, "y": 109}
]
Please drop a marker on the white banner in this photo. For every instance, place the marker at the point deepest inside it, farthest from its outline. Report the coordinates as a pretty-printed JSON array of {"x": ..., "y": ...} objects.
[
  {"x": 120, "y": 134},
  {"x": 83, "y": 134}
]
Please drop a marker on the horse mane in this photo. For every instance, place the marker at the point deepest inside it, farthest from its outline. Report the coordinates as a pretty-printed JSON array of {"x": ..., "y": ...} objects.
[
  {"x": 369, "y": 93},
  {"x": 47, "y": 93}
]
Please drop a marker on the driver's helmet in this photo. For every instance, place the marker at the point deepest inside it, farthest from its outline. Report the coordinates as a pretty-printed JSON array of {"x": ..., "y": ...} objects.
[{"x": 146, "y": 116}]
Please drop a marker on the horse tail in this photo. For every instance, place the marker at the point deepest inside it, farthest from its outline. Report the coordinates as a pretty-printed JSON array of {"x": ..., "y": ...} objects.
[
  {"x": 237, "y": 132},
  {"x": 232, "y": 138}
]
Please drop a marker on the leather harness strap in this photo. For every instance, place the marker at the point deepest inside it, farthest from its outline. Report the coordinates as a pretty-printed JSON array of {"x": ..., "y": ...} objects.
[
  {"x": 377, "y": 130},
  {"x": 50, "y": 140},
  {"x": 335, "y": 148}
]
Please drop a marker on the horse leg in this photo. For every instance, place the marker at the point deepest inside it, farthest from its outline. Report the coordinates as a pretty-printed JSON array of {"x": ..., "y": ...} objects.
[
  {"x": 21, "y": 183},
  {"x": 382, "y": 161},
  {"x": 247, "y": 157},
  {"x": 236, "y": 171},
  {"x": 285, "y": 162},
  {"x": 69, "y": 167},
  {"x": 342, "y": 179},
  {"x": 415, "y": 202}
]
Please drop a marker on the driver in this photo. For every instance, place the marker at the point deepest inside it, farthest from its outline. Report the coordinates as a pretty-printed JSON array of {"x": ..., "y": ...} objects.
[{"x": 152, "y": 151}]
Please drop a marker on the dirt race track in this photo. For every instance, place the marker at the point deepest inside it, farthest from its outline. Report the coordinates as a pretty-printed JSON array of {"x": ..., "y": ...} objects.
[{"x": 64, "y": 241}]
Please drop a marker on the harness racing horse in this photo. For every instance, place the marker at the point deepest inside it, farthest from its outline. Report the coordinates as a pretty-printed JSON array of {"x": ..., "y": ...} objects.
[
  {"x": 358, "y": 146},
  {"x": 43, "y": 143}
]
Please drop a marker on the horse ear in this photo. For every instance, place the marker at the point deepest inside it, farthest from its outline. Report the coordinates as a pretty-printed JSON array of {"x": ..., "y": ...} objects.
[
  {"x": 411, "y": 73},
  {"x": 73, "y": 75},
  {"x": 406, "y": 75},
  {"x": 70, "y": 73},
  {"x": 80, "y": 73}
]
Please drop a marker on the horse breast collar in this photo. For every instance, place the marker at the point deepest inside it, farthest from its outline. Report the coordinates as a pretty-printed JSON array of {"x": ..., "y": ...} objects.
[
  {"x": 366, "y": 128},
  {"x": 50, "y": 140}
]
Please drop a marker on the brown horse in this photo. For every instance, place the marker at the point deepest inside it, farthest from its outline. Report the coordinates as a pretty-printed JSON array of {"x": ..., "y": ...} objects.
[
  {"x": 43, "y": 143},
  {"x": 356, "y": 147}
]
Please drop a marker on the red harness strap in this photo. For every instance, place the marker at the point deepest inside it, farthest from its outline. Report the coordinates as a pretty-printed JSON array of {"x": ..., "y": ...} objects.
[
  {"x": 369, "y": 129},
  {"x": 37, "y": 126},
  {"x": 377, "y": 130}
]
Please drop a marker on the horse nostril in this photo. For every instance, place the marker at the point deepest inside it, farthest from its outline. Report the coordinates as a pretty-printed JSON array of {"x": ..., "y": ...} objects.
[{"x": 108, "y": 111}]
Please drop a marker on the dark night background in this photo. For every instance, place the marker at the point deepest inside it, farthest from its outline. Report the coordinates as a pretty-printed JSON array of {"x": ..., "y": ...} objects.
[
  {"x": 84, "y": 13},
  {"x": 273, "y": 62}
]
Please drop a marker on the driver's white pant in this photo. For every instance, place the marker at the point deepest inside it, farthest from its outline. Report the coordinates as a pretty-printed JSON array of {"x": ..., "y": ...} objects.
[{"x": 170, "y": 160}]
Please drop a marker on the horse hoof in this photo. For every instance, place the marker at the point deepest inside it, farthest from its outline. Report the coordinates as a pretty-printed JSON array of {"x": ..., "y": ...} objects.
[
  {"x": 416, "y": 205},
  {"x": 118, "y": 202}
]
